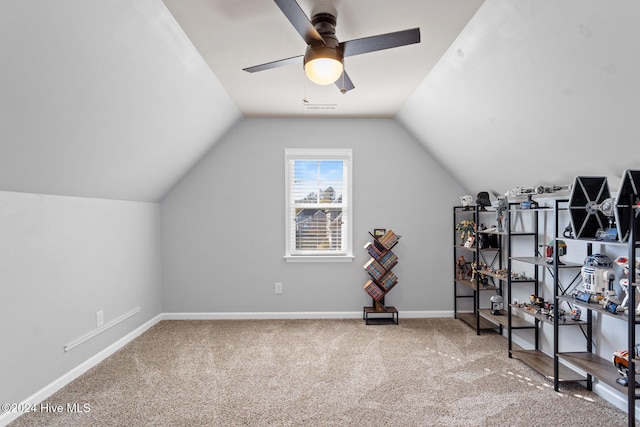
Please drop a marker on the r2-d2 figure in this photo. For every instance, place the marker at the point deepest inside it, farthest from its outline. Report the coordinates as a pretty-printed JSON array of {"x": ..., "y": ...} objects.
[{"x": 598, "y": 275}]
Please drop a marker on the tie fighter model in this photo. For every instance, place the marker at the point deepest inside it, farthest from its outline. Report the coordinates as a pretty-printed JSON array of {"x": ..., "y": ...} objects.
[
  {"x": 629, "y": 193},
  {"x": 595, "y": 214},
  {"x": 591, "y": 208}
]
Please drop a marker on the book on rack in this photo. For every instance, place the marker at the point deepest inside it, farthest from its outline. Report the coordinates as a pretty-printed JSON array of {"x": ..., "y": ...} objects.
[
  {"x": 373, "y": 251},
  {"x": 388, "y": 281},
  {"x": 373, "y": 290},
  {"x": 388, "y": 261},
  {"x": 389, "y": 239},
  {"x": 374, "y": 268}
]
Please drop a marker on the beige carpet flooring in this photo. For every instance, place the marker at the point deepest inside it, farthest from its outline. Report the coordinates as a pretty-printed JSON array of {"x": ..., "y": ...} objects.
[{"x": 423, "y": 372}]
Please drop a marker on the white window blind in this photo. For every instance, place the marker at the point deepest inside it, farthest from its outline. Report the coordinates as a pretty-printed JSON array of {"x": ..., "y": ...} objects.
[{"x": 318, "y": 212}]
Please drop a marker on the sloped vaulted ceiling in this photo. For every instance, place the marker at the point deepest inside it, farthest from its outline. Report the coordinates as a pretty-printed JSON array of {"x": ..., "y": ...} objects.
[
  {"x": 104, "y": 99},
  {"x": 535, "y": 93}
]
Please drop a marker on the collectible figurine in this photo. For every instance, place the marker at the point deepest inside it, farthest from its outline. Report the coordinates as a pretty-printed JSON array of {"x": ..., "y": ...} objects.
[
  {"x": 621, "y": 362},
  {"x": 623, "y": 262},
  {"x": 461, "y": 268},
  {"x": 537, "y": 301},
  {"x": 496, "y": 304},
  {"x": 576, "y": 313},
  {"x": 466, "y": 202},
  {"x": 466, "y": 228},
  {"x": 597, "y": 275}
]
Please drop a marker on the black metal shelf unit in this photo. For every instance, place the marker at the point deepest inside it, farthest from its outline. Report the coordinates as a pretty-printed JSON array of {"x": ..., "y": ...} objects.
[
  {"x": 588, "y": 362},
  {"x": 528, "y": 316},
  {"x": 471, "y": 288}
]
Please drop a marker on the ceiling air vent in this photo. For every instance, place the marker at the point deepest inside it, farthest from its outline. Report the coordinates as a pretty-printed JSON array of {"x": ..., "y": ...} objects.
[{"x": 320, "y": 106}]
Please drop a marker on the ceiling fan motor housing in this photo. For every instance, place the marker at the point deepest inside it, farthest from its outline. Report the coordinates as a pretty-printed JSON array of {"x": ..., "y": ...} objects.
[{"x": 325, "y": 24}]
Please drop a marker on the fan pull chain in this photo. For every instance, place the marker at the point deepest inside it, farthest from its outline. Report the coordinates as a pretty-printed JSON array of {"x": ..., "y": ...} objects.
[{"x": 305, "y": 100}]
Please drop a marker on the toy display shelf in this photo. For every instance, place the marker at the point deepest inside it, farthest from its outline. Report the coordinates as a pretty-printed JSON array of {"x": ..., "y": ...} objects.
[
  {"x": 468, "y": 303},
  {"x": 588, "y": 363}
]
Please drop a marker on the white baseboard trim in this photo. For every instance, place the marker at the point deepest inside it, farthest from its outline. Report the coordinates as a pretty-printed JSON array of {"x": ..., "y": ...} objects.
[
  {"x": 265, "y": 315},
  {"x": 614, "y": 397},
  {"x": 295, "y": 315},
  {"x": 42, "y": 394},
  {"x": 425, "y": 314}
]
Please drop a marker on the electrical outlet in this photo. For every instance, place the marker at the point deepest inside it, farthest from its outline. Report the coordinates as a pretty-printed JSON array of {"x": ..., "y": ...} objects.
[
  {"x": 99, "y": 318},
  {"x": 278, "y": 288}
]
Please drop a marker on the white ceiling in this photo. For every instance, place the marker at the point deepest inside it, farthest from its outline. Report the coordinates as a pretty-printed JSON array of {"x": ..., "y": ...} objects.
[{"x": 232, "y": 35}]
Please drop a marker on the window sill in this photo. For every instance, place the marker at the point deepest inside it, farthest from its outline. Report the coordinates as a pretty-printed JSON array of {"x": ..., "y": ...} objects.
[{"x": 319, "y": 258}]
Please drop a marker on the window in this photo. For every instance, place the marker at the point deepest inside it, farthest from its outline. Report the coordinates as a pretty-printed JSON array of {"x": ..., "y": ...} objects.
[{"x": 318, "y": 211}]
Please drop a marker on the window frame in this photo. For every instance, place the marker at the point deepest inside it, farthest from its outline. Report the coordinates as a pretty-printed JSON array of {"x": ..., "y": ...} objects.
[{"x": 345, "y": 155}]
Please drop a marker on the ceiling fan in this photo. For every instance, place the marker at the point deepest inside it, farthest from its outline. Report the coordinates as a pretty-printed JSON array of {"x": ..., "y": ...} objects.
[{"x": 324, "y": 58}]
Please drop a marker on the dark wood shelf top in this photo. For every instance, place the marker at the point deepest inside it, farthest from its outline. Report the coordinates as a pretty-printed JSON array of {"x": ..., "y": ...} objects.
[
  {"x": 385, "y": 310},
  {"x": 538, "y": 260},
  {"x": 502, "y": 319},
  {"x": 595, "y": 307},
  {"x": 491, "y": 274},
  {"x": 471, "y": 284},
  {"x": 470, "y": 319},
  {"x": 544, "y": 318},
  {"x": 598, "y": 367},
  {"x": 543, "y": 363},
  {"x": 380, "y": 315}
]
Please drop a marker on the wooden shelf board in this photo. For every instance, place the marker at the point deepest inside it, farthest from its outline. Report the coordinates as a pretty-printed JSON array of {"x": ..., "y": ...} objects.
[
  {"x": 498, "y": 233},
  {"x": 595, "y": 307},
  {"x": 387, "y": 310},
  {"x": 472, "y": 248},
  {"x": 537, "y": 260},
  {"x": 502, "y": 319},
  {"x": 494, "y": 275},
  {"x": 543, "y": 318},
  {"x": 539, "y": 208},
  {"x": 596, "y": 366},
  {"x": 389, "y": 315},
  {"x": 470, "y": 319},
  {"x": 473, "y": 285},
  {"x": 543, "y": 363}
]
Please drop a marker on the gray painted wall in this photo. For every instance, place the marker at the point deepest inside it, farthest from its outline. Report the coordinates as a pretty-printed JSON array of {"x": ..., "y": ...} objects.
[
  {"x": 223, "y": 224},
  {"x": 61, "y": 260}
]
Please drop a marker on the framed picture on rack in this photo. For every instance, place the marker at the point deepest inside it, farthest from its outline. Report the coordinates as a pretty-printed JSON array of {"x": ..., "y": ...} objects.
[{"x": 379, "y": 232}]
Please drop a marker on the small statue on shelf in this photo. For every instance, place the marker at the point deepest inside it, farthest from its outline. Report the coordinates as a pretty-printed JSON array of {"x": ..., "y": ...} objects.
[
  {"x": 621, "y": 362},
  {"x": 466, "y": 228},
  {"x": 576, "y": 313},
  {"x": 483, "y": 280},
  {"x": 461, "y": 268},
  {"x": 474, "y": 270},
  {"x": 537, "y": 301}
]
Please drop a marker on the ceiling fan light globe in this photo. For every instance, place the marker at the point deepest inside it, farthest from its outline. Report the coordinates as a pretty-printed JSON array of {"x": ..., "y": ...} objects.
[
  {"x": 323, "y": 71},
  {"x": 323, "y": 64}
]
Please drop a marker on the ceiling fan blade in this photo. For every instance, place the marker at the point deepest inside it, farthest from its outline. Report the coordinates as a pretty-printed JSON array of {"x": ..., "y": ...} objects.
[
  {"x": 380, "y": 42},
  {"x": 344, "y": 83},
  {"x": 300, "y": 22},
  {"x": 275, "y": 64}
]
